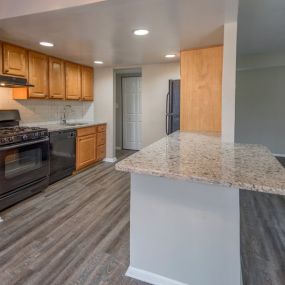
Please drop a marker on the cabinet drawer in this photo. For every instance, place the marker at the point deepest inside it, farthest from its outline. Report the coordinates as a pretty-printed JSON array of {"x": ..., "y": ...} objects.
[
  {"x": 101, "y": 138},
  {"x": 101, "y": 128},
  {"x": 86, "y": 131},
  {"x": 101, "y": 152}
]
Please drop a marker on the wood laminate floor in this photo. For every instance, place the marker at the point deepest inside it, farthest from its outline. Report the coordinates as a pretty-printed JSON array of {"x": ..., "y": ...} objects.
[
  {"x": 262, "y": 218},
  {"x": 77, "y": 232}
]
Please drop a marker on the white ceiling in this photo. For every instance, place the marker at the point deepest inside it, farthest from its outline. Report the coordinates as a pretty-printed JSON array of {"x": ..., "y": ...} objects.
[
  {"x": 261, "y": 26},
  {"x": 103, "y": 30},
  {"x": 15, "y": 8}
]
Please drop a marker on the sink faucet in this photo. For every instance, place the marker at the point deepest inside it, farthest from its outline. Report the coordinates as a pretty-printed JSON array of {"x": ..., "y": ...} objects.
[{"x": 63, "y": 117}]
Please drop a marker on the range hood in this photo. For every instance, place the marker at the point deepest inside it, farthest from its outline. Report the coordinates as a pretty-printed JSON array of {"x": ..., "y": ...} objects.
[{"x": 13, "y": 82}]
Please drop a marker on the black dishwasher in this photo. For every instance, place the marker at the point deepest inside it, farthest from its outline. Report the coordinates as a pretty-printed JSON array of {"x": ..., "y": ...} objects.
[{"x": 62, "y": 154}]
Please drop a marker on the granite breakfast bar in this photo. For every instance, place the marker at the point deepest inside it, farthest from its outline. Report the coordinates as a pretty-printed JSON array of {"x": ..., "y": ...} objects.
[{"x": 185, "y": 225}]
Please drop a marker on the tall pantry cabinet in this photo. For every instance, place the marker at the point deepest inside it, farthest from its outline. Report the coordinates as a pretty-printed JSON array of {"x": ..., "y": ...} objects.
[{"x": 201, "y": 89}]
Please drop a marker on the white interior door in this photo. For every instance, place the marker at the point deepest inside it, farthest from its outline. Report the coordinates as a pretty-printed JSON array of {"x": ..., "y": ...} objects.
[{"x": 131, "y": 92}]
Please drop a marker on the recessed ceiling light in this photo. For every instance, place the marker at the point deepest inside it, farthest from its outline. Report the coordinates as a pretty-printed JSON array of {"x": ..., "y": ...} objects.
[
  {"x": 98, "y": 62},
  {"x": 141, "y": 32},
  {"x": 172, "y": 55},
  {"x": 46, "y": 44},
  {"x": 2, "y": 84}
]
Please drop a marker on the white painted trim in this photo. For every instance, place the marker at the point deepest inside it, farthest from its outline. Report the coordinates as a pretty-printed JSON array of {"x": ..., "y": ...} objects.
[
  {"x": 229, "y": 82},
  {"x": 278, "y": 154},
  {"x": 150, "y": 277},
  {"x": 110, "y": 159}
]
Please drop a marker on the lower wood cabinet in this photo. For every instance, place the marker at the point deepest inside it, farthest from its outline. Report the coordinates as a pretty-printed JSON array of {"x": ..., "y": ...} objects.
[
  {"x": 90, "y": 145},
  {"x": 86, "y": 151}
]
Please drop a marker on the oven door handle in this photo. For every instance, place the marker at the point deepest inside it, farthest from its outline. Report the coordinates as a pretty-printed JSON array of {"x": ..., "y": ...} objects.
[{"x": 13, "y": 146}]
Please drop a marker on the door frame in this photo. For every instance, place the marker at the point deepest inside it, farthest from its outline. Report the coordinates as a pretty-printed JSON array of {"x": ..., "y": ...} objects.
[{"x": 122, "y": 109}]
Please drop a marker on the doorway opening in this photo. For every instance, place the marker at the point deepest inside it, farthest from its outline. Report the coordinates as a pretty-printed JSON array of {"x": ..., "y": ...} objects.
[{"x": 128, "y": 110}]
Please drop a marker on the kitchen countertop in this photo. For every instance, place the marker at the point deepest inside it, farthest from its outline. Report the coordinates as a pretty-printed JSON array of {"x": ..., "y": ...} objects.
[
  {"x": 204, "y": 158},
  {"x": 54, "y": 126}
]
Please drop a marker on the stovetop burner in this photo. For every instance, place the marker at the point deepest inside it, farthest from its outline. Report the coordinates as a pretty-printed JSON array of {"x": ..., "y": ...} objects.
[
  {"x": 17, "y": 130},
  {"x": 16, "y": 134}
]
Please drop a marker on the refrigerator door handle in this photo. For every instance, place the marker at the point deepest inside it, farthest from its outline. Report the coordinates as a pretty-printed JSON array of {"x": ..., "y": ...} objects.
[{"x": 167, "y": 103}]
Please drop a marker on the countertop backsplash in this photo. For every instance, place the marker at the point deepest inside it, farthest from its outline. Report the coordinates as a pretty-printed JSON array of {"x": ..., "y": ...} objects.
[{"x": 34, "y": 110}]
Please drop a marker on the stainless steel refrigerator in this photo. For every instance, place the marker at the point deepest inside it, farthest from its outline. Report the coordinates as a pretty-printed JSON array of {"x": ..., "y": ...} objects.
[{"x": 173, "y": 107}]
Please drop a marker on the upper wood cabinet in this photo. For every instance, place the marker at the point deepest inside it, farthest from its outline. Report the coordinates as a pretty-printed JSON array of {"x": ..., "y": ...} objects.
[
  {"x": 38, "y": 75},
  {"x": 15, "y": 60},
  {"x": 56, "y": 78},
  {"x": 73, "y": 81},
  {"x": 53, "y": 78},
  {"x": 201, "y": 89},
  {"x": 87, "y": 78}
]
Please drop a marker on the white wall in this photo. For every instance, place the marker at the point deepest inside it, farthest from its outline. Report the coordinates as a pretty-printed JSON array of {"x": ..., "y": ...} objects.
[
  {"x": 260, "y": 101},
  {"x": 36, "y": 111},
  {"x": 104, "y": 107},
  {"x": 154, "y": 89}
]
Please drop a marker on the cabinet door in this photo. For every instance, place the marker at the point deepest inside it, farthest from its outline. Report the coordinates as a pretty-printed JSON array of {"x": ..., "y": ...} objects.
[
  {"x": 87, "y": 77},
  {"x": 38, "y": 75},
  {"x": 15, "y": 60},
  {"x": 201, "y": 89},
  {"x": 85, "y": 151},
  {"x": 73, "y": 81},
  {"x": 56, "y": 78}
]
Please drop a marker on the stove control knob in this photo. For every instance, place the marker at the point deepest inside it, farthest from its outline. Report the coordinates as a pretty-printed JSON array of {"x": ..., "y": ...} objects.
[
  {"x": 25, "y": 137},
  {"x": 10, "y": 139},
  {"x": 3, "y": 140},
  {"x": 36, "y": 134}
]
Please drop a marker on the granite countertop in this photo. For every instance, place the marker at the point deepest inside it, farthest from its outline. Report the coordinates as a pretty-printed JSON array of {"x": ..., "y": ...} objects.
[
  {"x": 204, "y": 158},
  {"x": 54, "y": 126}
]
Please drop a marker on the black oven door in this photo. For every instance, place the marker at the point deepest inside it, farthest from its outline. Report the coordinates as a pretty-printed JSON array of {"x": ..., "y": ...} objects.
[{"x": 23, "y": 163}]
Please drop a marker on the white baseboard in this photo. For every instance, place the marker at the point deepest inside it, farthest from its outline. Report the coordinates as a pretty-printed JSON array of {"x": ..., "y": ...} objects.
[
  {"x": 150, "y": 277},
  {"x": 110, "y": 159},
  {"x": 280, "y": 155}
]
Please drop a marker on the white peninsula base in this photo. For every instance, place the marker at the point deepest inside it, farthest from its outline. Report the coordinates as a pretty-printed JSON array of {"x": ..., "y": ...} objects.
[{"x": 184, "y": 232}]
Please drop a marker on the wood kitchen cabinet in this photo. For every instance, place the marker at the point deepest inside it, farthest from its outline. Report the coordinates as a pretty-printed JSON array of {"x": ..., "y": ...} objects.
[
  {"x": 87, "y": 77},
  {"x": 15, "y": 60},
  {"x": 86, "y": 151},
  {"x": 56, "y": 78},
  {"x": 201, "y": 89},
  {"x": 73, "y": 81},
  {"x": 38, "y": 75},
  {"x": 101, "y": 142},
  {"x": 90, "y": 145},
  {"x": 53, "y": 78}
]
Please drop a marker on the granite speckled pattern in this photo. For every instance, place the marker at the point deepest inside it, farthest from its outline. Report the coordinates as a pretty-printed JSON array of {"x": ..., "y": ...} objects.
[{"x": 204, "y": 158}]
